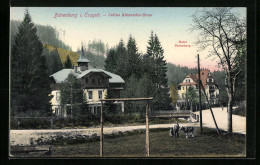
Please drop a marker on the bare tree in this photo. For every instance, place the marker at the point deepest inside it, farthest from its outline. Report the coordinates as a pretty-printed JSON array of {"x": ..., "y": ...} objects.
[{"x": 222, "y": 33}]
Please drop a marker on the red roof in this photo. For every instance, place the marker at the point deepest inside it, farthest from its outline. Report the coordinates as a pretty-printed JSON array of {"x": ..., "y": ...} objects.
[{"x": 203, "y": 77}]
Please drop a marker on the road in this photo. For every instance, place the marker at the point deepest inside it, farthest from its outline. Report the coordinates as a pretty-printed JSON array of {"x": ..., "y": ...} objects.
[
  {"x": 221, "y": 116},
  {"x": 22, "y": 137}
]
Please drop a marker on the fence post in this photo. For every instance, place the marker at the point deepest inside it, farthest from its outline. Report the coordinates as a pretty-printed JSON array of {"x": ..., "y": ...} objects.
[
  {"x": 101, "y": 131},
  {"x": 147, "y": 145},
  {"x": 51, "y": 123}
]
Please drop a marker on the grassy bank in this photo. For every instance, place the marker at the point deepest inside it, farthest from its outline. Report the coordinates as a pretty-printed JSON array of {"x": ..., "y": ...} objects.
[{"x": 161, "y": 145}]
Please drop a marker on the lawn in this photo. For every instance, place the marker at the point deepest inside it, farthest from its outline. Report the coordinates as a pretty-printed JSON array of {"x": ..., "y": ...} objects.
[{"x": 208, "y": 144}]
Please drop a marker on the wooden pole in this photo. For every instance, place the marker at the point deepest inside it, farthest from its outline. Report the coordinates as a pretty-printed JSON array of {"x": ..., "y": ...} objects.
[
  {"x": 71, "y": 98},
  {"x": 201, "y": 130},
  {"x": 210, "y": 109},
  {"x": 147, "y": 147},
  {"x": 101, "y": 131}
]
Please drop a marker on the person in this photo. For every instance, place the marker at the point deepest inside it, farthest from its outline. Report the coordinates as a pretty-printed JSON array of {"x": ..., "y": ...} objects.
[
  {"x": 171, "y": 132},
  {"x": 176, "y": 128}
]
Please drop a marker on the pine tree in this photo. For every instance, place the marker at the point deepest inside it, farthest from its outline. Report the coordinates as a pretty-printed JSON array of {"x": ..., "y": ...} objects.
[
  {"x": 53, "y": 62},
  {"x": 133, "y": 65},
  {"x": 156, "y": 68},
  {"x": 29, "y": 80},
  {"x": 68, "y": 63},
  {"x": 111, "y": 60},
  {"x": 121, "y": 61}
]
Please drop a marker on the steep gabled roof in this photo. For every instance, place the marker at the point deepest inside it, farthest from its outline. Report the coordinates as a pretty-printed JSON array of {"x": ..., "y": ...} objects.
[
  {"x": 113, "y": 77},
  {"x": 204, "y": 74},
  {"x": 61, "y": 75}
]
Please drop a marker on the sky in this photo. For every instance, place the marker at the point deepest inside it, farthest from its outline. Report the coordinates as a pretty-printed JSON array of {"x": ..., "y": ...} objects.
[{"x": 170, "y": 24}]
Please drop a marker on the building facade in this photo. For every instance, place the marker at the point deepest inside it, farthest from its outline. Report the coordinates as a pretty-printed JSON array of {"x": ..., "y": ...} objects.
[
  {"x": 191, "y": 81},
  {"x": 95, "y": 85}
]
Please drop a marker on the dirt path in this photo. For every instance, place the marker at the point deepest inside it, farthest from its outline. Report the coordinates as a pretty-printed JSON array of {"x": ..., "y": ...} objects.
[
  {"x": 22, "y": 137},
  {"x": 239, "y": 122}
]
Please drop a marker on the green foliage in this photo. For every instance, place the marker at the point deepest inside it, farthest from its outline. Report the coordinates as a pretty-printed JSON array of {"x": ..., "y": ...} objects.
[
  {"x": 155, "y": 65},
  {"x": 53, "y": 61},
  {"x": 174, "y": 94},
  {"x": 176, "y": 73},
  {"x": 72, "y": 92},
  {"x": 219, "y": 77},
  {"x": 68, "y": 63},
  {"x": 145, "y": 76},
  {"x": 29, "y": 79},
  {"x": 192, "y": 95},
  {"x": 46, "y": 33}
]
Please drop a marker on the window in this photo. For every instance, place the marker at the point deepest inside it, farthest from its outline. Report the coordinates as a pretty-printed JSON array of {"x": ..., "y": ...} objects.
[
  {"x": 212, "y": 80},
  {"x": 86, "y": 79},
  {"x": 93, "y": 81},
  {"x": 57, "y": 111},
  {"x": 207, "y": 80},
  {"x": 99, "y": 81},
  {"x": 90, "y": 96},
  {"x": 100, "y": 94}
]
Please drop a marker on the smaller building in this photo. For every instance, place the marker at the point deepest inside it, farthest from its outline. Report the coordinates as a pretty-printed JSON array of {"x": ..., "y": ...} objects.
[{"x": 191, "y": 81}]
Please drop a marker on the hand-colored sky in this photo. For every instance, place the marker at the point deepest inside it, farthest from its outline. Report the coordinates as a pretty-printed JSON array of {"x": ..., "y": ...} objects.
[{"x": 170, "y": 24}]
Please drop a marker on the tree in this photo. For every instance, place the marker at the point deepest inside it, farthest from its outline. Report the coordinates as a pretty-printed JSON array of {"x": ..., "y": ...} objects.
[
  {"x": 155, "y": 66},
  {"x": 133, "y": 65},
  {"x": 68, "y": 63},
  {"x": 56, "y": 64},
  {"x": 111, "y": 60},
  {"x": 220, "y": 31},
  {"x": 121, "y": 60},
  {"x": 174, "y": 94},
  {"x": 53, "y": 61},
  {"x": 71, "y": 93},
  {"x": 29, "y": 79}
]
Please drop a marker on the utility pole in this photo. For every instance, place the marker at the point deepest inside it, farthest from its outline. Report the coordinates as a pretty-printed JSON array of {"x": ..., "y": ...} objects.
[{"x": 199, "y": 94}]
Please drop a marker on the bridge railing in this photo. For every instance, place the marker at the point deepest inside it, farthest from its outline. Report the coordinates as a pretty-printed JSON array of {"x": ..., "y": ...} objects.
[{"x": 169, "y": 112}]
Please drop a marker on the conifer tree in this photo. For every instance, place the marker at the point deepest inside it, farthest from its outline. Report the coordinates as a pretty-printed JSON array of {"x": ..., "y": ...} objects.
[
  {"x": 155, "y": 66},
  {"x": 68, "y": 63},
  {"x": 133, "y": 59},
  {"x": 111, "y": 60},
  {"x": 29, "y": 80}
]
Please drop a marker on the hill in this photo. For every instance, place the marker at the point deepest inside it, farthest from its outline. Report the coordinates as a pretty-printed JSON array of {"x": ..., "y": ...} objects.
[
  {"x": 46, "y": 33},
  {"x": 63, "y": 53}
]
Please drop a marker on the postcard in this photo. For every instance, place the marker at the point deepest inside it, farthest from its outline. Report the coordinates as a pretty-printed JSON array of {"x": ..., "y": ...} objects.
[{"x": 124, "y": 82}]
